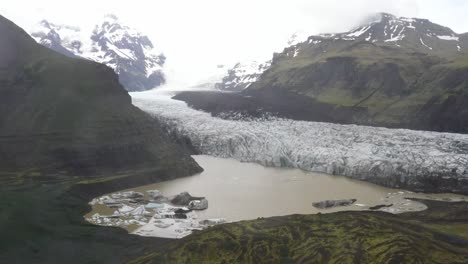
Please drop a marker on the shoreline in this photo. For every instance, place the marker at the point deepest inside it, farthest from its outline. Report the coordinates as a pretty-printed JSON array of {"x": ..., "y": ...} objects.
[{"x": 395, "y": 201}]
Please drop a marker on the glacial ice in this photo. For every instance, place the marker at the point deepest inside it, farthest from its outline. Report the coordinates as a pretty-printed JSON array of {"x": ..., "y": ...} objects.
[{"x": 361, "y": 152}]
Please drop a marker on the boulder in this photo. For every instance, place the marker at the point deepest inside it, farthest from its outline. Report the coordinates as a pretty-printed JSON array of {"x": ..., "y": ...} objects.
[{"x": 333, "y": 203}]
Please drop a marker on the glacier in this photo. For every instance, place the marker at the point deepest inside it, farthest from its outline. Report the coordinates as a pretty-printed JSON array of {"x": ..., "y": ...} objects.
[{"x": 400, "y": 158}]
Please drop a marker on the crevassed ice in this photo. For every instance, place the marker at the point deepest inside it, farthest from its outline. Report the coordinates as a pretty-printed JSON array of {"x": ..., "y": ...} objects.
[{"x": 350, "y": 150}]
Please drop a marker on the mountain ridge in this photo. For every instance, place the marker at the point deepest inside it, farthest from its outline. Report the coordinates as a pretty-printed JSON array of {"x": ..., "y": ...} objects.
[
  {"x": 69, "y": 115},
  {"x": 392, "y": 72},
  {"x": 128, "y": 52},
  {"x": 424, "y": 36}
]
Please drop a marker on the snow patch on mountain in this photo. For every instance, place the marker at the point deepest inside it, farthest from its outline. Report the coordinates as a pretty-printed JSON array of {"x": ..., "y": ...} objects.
[
  {"x": 358, "y": 32},
  {"x": 424, "y": 44},
  {"x": 397, "y": 31},
  {"x": 419, "y": 35},
  {"x": 244, "y": 74},
  {"x": 452, "y": 37}
]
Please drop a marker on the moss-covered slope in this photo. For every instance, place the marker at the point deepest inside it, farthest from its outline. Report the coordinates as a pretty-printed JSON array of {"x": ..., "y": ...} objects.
[
  {"x": 66, "y": 115},
  {"x": 438, "y": 235},
  {"x": 418, "y": 80}
]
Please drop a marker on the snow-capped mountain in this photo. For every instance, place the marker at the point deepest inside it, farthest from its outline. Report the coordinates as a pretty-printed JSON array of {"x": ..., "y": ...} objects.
[
  {"x": 243, "y": 74},
  {"x": 414, "y": 34},
  {"x": 131, "y": 54}
]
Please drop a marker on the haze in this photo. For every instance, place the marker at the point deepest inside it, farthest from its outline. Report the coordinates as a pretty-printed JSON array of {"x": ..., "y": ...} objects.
[{"x": 196, "y": 36}]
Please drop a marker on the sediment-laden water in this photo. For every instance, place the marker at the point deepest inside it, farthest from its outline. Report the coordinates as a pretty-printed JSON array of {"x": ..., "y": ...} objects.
[{"x": 240, "y": 191}]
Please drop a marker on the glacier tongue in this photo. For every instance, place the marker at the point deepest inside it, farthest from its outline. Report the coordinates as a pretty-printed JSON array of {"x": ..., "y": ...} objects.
[{"x": 416, "y": 160}]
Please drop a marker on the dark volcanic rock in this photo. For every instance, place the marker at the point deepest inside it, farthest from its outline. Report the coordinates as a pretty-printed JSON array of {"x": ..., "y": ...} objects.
[
  {"x": 380, "y": 206},
  {"x": 184, "y": 199},
  {"x": 333, "y": 203},
  {"x": 182, "y": 211},
  {"x": 180, "y": 216}
]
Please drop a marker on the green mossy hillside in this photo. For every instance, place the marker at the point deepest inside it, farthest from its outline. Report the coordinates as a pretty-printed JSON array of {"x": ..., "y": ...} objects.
[
  {"x": 62, "y": 115},
  {"x": 437, "y": 235},
  {"x": 395, "y": 84}
]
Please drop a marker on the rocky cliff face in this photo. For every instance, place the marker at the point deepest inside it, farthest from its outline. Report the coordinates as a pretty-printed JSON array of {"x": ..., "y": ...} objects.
[
  {"x": 131, "y": 54},
  {"x": 71, "y": 116}
]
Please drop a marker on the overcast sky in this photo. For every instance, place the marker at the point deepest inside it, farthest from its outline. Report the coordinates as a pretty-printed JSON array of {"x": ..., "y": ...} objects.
[{"x": 198, "y": 35}]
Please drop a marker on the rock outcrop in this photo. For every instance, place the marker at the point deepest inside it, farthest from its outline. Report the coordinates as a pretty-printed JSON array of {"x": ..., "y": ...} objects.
[
  {"x": 333, "y": 203},
  {"x": 184, "y": 199}
]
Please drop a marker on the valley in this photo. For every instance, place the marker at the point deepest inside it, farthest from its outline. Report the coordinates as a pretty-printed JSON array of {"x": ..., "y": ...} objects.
[{"x": 345, "y": 147}]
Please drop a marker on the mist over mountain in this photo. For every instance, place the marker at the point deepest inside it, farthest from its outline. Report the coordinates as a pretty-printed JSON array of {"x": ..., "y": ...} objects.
[
  {"x": 390, "y": 71},
  {"x": 348, "y": 147},
  {"x": 243, "y": 74}
]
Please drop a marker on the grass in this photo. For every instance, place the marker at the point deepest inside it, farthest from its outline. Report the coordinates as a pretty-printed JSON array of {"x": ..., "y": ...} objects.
[
  {"x": 345, "y": 237},
  {"x": 397, "y": 87}
]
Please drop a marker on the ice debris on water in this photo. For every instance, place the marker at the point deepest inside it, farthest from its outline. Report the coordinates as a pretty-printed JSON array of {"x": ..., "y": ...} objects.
[{"x": 151, "y": 216}]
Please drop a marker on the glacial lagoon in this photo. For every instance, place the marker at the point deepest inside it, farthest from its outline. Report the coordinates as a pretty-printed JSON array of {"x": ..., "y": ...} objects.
[{"x": 242, "y": 191}]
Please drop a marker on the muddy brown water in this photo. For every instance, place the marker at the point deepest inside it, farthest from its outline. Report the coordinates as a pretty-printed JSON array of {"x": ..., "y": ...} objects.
[{"x": 240, "y": 191}]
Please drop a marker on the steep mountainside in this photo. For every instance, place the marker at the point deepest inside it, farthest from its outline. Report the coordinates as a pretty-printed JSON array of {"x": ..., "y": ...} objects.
[
  {"x": 67, "y": 115},
  {"x": 132, "y": 55},
  {"x": 396, "y": 72}
]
